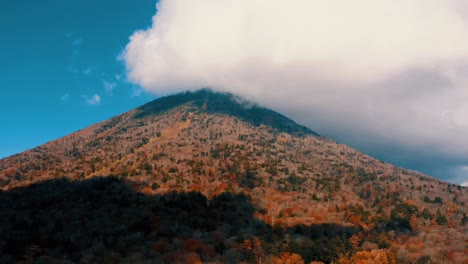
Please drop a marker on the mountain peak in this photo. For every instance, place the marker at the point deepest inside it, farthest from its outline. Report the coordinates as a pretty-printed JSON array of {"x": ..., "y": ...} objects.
[{"x": 207, "y": 100}]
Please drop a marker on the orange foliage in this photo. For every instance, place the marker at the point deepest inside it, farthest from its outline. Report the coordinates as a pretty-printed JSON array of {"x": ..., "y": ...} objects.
[
  {"x": 451, "y": 209},
  {"x": 147, "y": 191},
  {"x": 287, "y": 212},
  {"x": 192, "y": 245},
  {"x": 414, "y": 245},
  {"x": 193, "y": 258},
  {"x": 246, "y": 244},
  {"x": 414, "y": 222},
  {"x": 355, "y": 220},
  {"x": 288, "y": 258},
  {"x": 221, "y": 188},
  {"x": 257, "y": 243},
  {"x": 196, "y": 187},
  {"x": 355, "y": 241},
  {"x": 366, "y": 257},
  {"x": 268, "y": 219}
]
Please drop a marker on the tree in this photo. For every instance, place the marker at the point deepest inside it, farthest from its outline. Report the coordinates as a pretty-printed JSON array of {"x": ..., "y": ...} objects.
[
  {"x": 414, "y": 222},
  {"x": 288, "y": 258},
  {"x": 366, "y": 257},
  {"x": 464, "y": 219},
  {"x": 442, "y": 220},
  {"x": 400, "y": 216}
]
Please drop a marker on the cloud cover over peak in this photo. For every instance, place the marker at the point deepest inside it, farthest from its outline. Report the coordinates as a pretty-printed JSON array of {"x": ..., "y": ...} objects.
[{"x": 385, "y": 76}]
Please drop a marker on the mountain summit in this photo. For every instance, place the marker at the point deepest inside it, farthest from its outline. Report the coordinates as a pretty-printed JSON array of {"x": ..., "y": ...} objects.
[
  {"x": 205, "y": 176},
  {"x": 224, "y": 103}
]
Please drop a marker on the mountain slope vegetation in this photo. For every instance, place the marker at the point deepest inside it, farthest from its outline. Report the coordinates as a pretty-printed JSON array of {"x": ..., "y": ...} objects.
[{"x": 299, "y": 193}]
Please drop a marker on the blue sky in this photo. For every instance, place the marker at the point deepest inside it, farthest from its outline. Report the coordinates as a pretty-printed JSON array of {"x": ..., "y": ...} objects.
[{"x": 59, "y": 70}]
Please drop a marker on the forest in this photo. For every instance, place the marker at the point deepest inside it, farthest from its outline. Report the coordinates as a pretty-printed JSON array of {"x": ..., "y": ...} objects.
[{"x": 102, "y": 220}]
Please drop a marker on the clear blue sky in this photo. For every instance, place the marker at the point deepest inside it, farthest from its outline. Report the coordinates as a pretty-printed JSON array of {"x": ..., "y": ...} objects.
[{"x": 59, "y": 70}]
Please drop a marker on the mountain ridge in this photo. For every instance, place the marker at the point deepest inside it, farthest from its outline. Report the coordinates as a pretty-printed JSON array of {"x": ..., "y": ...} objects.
[{"x": 224, "y": 103}]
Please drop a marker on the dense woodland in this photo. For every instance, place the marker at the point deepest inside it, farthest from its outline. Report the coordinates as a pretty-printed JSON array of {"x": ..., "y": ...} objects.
[
  {"x": 104, "y": 221},
  {"x": 208, "y": 178}
]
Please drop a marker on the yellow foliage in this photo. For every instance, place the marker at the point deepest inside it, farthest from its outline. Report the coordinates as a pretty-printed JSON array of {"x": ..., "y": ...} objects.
[{"x": 367, "y": 257}]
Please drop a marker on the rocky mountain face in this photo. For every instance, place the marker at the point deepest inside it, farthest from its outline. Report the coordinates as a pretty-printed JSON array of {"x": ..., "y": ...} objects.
[{"x": 208, "y": 177}]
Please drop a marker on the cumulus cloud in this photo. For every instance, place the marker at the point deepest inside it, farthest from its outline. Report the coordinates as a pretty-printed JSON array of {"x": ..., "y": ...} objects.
[
  {"x": 376, "y": 74},
  {"x": 93, "y": 100}
]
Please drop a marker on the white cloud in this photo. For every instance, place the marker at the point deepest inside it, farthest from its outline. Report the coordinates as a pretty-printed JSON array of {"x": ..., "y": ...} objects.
[
  {"x": 136, "y": 91},
  {"x": 109, "y": 86},
  {"x": 88, "y": 71},
  {"x": 365, "y": 71},
  {"x": 93, "y": 100},
  {"x": 76, "y": 42}
]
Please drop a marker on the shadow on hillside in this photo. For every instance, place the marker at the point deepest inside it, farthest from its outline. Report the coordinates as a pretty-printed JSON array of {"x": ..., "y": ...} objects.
[{"x": 104, "y": 220}]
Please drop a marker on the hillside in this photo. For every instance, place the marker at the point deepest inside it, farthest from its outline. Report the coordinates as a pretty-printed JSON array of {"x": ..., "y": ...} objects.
[{"x": 237, "y": 183}]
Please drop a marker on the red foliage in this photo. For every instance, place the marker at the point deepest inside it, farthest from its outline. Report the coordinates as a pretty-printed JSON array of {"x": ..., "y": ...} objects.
[{"x": 192, "y": 245}]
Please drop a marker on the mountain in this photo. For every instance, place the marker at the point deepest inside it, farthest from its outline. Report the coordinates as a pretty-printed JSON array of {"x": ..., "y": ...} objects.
[
  {"x": 209, "y": 177},
  {"x": 228, "y": 104}
]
